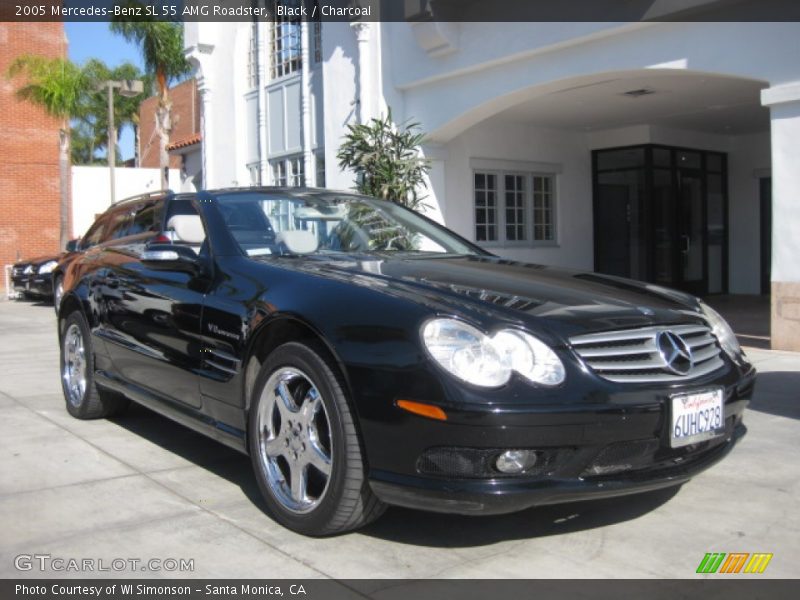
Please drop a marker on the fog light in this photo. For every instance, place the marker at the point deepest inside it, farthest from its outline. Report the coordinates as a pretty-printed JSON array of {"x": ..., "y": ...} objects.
[{"x": 516, "y": 461}]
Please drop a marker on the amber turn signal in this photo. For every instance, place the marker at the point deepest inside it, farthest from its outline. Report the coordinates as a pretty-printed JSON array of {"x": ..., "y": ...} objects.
[{"x": 424, "y": 410}]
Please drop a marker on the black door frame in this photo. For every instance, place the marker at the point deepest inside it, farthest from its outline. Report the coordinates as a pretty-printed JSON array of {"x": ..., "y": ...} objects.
[
  {"x": 649, "y": 222},
  {"x": 765, "y": 233}
]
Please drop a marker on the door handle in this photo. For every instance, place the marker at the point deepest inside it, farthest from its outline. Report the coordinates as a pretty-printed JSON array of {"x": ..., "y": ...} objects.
[{"x": 687, "y": 244}]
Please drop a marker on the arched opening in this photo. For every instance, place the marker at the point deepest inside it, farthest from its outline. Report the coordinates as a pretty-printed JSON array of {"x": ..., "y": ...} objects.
[{"x": 653, "y": 174}]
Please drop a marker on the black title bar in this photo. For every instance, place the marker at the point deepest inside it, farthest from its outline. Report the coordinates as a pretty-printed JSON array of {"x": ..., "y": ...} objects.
[
  {"x": 395, "y": 589},
  {"x": 402, "y": 10}
]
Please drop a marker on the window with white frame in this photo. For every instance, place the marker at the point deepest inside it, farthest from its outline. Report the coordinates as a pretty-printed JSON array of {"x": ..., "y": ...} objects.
[
  {"x": 320, "y": 164},
  {"x": 485, "y": 207},
  {"x": 297, "y": 177},
  {"x": 288, "y": 171},
  {"x": 279, "y": 173},
  {"x": 252, "y": 63},
  {"x": 543, "y": 209},
  {"x": 515, "y": 200},
  {"x": 286, "y": 56},
  {"x": 255, "y": 173},
  {"x": 514, "y": 208}
]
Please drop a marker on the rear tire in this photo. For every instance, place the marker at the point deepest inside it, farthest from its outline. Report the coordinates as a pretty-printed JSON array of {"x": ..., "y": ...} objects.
[
  {"x": 304, "y": 445},
  {"x": 83, "y": 398}
]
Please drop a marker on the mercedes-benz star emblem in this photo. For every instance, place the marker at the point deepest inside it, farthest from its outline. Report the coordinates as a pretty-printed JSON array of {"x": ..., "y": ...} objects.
[{"x": 675, "y": 352}]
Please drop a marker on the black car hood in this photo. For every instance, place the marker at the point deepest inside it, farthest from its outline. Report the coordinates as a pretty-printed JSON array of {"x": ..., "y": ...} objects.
[
  {"x": 39, "y": 260},
  {"x": 572, "y": 301}
]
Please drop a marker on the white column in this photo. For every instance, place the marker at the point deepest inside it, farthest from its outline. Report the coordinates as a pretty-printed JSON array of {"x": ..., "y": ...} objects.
[
  {"x": 305, "y": 105},
  {"x": 199, "y": 56},
  {"x": 263, "y": 58},
  {"x": 207, "y": 129},
  {"x": 784, "y": 104},
  {"x": 366, "y": 108},
  {"x": 436, "y": 192}
]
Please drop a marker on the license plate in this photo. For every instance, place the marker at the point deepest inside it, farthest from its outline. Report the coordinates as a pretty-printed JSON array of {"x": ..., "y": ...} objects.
[{"x": 696, "y": 417}]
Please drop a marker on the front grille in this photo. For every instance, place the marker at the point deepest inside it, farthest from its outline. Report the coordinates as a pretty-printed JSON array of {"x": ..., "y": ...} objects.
[
  {"x": 632, "y": 355},
  {"x": 17, "y": 271}
]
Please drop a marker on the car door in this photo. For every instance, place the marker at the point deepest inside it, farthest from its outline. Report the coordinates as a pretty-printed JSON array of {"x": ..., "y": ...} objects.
[{"x": 152, "y": 315}]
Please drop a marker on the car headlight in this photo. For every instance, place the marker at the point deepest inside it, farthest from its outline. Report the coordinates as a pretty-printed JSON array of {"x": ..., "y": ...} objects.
[
  {"x": 489, "y": 361},
  {"x": 723, "y": 332},
  {"x": 28, "y": 270},
  {"x": 47, "y": 267}
]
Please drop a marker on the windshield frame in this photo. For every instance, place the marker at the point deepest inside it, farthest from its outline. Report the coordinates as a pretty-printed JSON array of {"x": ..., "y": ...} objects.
[{"x": 221, "y": 197}]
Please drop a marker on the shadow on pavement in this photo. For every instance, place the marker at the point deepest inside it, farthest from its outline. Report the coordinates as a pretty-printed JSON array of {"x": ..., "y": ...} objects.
[
  {"x": 454, "y": 531},
  {"x": 399, "y": 524},
  {"x": 35, "y": 301},
  {"x": 204, "y": 452},
  {"x": 777, "y": 394}
]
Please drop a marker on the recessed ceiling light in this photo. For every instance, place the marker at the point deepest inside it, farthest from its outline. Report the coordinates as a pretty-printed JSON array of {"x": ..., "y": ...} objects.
[{"x": 638, "y": 93}]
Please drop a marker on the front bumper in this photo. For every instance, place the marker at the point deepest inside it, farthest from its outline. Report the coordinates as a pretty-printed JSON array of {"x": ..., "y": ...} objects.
[
  {"x": 613, "y": 449},
  {"x": 34, "y": 285},
  {"x": 504, "y": 496}
]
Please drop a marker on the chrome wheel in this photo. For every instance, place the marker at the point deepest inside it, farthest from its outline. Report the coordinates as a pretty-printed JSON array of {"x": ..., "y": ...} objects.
[
  {"x": 74, "y": 370},
  {"x": 294, "y": 440}
]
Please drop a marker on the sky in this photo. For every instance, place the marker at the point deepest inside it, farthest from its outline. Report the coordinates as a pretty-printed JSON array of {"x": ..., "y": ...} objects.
[{"x": 95, "y": 40}]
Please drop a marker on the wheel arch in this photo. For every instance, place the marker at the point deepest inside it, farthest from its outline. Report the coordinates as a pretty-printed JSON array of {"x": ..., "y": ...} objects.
[
  {"x": 279, "y": 330},
  {"x": 69, "y": 304}
]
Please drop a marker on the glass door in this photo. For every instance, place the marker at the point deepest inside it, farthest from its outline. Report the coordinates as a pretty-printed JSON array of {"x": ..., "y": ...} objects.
[
  {"x": 690, "y": 244},
  {"x": 660, "y": 215}
]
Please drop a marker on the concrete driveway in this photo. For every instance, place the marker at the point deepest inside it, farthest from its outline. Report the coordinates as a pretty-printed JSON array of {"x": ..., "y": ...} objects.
[{"x": 141, "y": 487}]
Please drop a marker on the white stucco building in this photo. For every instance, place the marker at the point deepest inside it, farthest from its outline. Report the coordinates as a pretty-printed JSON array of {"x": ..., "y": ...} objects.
[{"x": 667, "y": 152}]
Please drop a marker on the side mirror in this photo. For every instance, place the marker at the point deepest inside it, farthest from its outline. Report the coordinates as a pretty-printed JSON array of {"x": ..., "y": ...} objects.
[
  {"x": 171, "y": 257},
  {"x": 73, "y": 245}
]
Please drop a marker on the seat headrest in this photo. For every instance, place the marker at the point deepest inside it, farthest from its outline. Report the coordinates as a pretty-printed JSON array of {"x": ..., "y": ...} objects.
[
  {"x": 188, "y": 228},
  {"x": 298, "y": 241}
]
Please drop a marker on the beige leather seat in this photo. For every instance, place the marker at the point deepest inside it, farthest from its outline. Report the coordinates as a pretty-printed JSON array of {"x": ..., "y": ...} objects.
[
  {"x": 298, "y": 241},
  {"x": 187, "y": 229}
]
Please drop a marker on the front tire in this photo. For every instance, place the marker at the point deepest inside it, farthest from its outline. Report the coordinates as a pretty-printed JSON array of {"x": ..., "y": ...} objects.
[
  {"x": 83, "y": 398},
  {"x": 304, "y": 445}
]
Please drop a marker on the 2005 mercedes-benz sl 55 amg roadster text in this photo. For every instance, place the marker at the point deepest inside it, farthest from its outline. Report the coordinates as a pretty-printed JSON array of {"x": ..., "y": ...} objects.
[{"x": 364, "y": 356}]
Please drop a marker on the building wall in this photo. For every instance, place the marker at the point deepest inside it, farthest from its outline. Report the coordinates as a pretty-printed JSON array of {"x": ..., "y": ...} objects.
[
  {"x": 568, "y": 154},
  {"x": 748, "y": 160},
  {"x": 560, "y": 152},
  {"x": 92, "y": 193},
  {"x": 494, "y": 67},
  {"x": 339, "y": 72},
  {"x": 185, "y": 118},
  {"x": 218, "y": 52},
  {"x": 29, "y": 149}
]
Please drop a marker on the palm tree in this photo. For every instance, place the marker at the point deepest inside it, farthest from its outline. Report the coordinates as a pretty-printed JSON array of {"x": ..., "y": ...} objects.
[
  {"x": 161, "y": 45},
  {"x": 58, "y": 86},
  {"x": 126, "y": 109}
]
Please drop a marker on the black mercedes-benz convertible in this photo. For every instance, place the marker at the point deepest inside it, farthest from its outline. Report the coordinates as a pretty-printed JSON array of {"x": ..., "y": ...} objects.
[{"x": 364, "y": 356}]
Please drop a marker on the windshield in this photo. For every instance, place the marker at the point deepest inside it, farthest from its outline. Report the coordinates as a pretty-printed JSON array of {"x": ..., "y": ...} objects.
[{"x": 328, "y": 223}]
